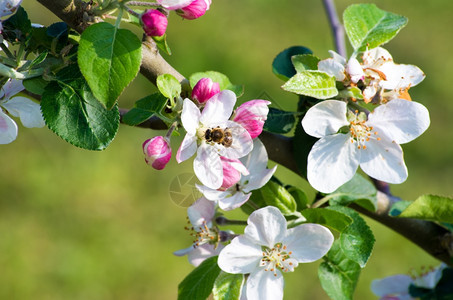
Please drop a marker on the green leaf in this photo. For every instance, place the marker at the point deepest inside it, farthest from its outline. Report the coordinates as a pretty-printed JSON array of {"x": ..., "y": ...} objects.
[
  {"x": 73, "y": 113},
  {"x": 145, "y": 108},
  {"x": 221, "y": 79},
  {"x": 279, "y": 121},
  {"x": 276, "y": 195},
  {"x": 168, "y": 85},
  {"x": 358, "y": 190},
  {"x": 228, "y": 286},
  {"x": 330, "y": 218},
  {"x": 35, "y": 85},
  {"x": 302, "y": 145},
  {"x": 357, "y": 239},
  {"x": 109, "y": 59},
  {"x": 299, "y": 196},
  {"x": 338, "y": 274},
  {"x": 161, "y": 42},
  {"x": 368, "y": 26},
  {"x": 315, "y": 84},
  {"x": 430, "y": 207},
  {"x": 305, "y": 62},
  {"x": 398, "y": 207},
  {"x": 199, "y": 283},
  {"x": 282, "y": 65},
  {"x": 17, "y": 27}
]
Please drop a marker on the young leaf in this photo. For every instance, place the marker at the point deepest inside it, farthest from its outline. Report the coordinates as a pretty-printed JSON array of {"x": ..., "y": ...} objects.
[
  {"x": 357, "y": 239},
  {"x": 299, "y": 196},
  {"x": 73, "y": 113},
  {"x": 221, "y": 79},
  {"x": 228, "y": 286},
  {"x": 305, "y": 62},
  {"x": 144, "y": 109},
  {"x": 161, "y": 42},
  {"x": 368, "y": 26},
  {"x": 276, "y": 195},
  {"x": 338, "y": 274},
  {"x": 358, "y": 190},
  {"x": 330, "y": 218},
  {"x": 199, "y": 283},
  {"x": 168, "y": 85},
  {"x": 109, "y": 59},
  {"x": 279, "y": 121},
  {"x": 430, "y": 207},
  {"x": 282, "y": 65},
  {"x": 315, "y": 84}
]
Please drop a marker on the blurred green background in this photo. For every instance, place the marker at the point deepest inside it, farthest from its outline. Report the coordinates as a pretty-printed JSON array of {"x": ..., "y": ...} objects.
[{"x": 76, "y": 224}]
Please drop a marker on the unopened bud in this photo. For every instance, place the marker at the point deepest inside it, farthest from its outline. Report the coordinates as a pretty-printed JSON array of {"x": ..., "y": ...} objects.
[
  {"x": 194, "y": 10},
  {"x": 157, "y": 152},
  {"x": 252, "y": 115},
  {"x": 154, "y": 22},
  {"x": 204, "y": 90}
]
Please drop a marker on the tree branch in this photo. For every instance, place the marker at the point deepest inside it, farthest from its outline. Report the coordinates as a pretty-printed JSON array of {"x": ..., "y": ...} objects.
[
  {"x": 429, "y": 236},
  {"x": 337, "y": 28}
]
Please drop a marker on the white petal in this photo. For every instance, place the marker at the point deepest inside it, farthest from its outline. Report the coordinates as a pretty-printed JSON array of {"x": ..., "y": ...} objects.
[
  {"x": 201, "y": 212},
  {"x": 400, "y": 120},
  {"x": 174, "y": 4},
  {"x": 325, "y": 118},
  {"x": 28, "y": 111},
  {"x": 332, "y": 161},
  {"x": 257, "y": 180},
  {"x": 383, "y": 160},
  {"x": 8, "y": 129},
  {"x": 308, "y": 242},
  {"x": 200, "y": 253},
  {"x": 218, "y": 108},
  {"x": 190, "y": 116},
  {"x": 242, "y": 142},
  {"x": 208, "y": 167},
  {"x": 392, "y": 285},
  {"x": 354, "y": 70},
  {"x": 266, "y": 226},
  {"x": 187, "y": 149},
  {"x": 401, "y": 76},
  {"x": 262, "y": 285},
  {"x": 184, "y": 251},
  {"x": 11, "y": 88},
  {"x": 376, "y": 57},
  {"x": 256, "y": 160},
  {"x": 241, "y": 256},
  {"x": 212, "y": 194},
  {"x": 333, "y": 68},
  {"x": 236, "y": 200}
]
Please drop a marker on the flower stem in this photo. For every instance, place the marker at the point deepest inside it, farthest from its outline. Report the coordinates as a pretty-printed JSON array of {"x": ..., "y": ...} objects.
[
  {"x": 224, "y": 221},
  {"x": 322, "y": 201},
  {"x": 118, "y": 18},
  {"x": 337, "y": 28},
  {"x": 142, "y": 3},
  {"x": 131, "y": 11}
]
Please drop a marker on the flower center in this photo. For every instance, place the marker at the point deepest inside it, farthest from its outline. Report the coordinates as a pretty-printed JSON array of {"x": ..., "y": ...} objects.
[
  {"x": 277, "y": 258},
  {"x": 218, "y": 135},
  {"x": 358, "y": 129},
  {"x": 204, "y": 235}
]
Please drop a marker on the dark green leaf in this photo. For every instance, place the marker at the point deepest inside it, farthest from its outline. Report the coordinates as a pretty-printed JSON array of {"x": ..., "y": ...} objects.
[
  {"x": 369, "y": 27},
  {"x": 314, "y": 84},
  {"x": 35, "y": 85},
  {"x": 358, "y": 190},
  {"x": 282, "y": 65},
  {"x": 228, "y": 286},
  {"x": 72, "y": 112},
  {"x": 398, "y": 207},
  {"x": 330, "y": 218},
  {"x": 299, "y": 196},
  {"x": 357, "y": 239},
  {"x": 109, "y": 59},
  {"x": 338, "y": 274},
  {"x": 17, "y": 27},
  {"x": 221, "y": 79},
  {"x": 279, "y": 121},
  {"x": 430, "y": 207},
  {"x": 199, "y": 283},
  {"x": 302, "y": 144},
  {"x": 305, "y": 62},
  {"x": 144, "y": 109}
]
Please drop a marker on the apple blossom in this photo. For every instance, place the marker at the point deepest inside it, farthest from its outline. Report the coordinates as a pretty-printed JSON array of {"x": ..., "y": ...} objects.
[
  {"x": 207, "y": 241},
  {"x": 349, "y": 139},
  {"x": 210, "y": 134},
  {"x": 154, "y": 22},
  {"x": 252, "y": 115},
  {"x": 194, "y": 10},
  {"x": 232, "y": 169},
  {"x": 340, "y": 68},
  {"x": 238, "y": 194},
  {"x": 174, "y": 4},
  {"x": 268, "y": 248},
  {"x": 204, "y": 90},
  {"x": 28, "y": 111},
  {"x": 157, "y": 152}
]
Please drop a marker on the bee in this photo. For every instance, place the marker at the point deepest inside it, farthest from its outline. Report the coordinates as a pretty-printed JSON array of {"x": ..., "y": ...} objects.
[{"x": 219, "y": 136}]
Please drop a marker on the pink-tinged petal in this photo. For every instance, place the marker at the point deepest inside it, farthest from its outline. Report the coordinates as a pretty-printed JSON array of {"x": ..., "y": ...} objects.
[
  {"x": 333, "y": 68},
  {"x": 187, "y": 149},
  {"x": 242, "y": 142},
  {"x": 194, "y": 10},
  {"x": 258, "y": 180},
  {"x": 174, "y": 4},
  {"x": 28, "y": 111},
  {"x": 266, "y": 226},
  {"x": 190, "y": 116},
  {"x": 241, "y": 256},
  {"x": 325, "y": 118},
  {"x": 201, "y": 212},
  {"x": 157, "y": 152},
  {"x": 383, "y": 160},
  {"x": 212, "y": 194},
  {"x": 205, "y": 89},
  {"x": 231, "y": 175},
  {"x": 400, "y": 76},
  {"x": 208, "y": 167},
  {"x": 154, "y": 22},
  {"x": 308, "y": 242},
  {"x": 354, "y": 70},
  {"x": 332, "y": 161},
  {"x": 203, "y": 252},
  {"x": 8, "y": 129},
  {"x": 236, "y": 200},
  {"x": 252, "y": 115},
  {"x": 264, "y": 285},
  {"x": 401, "y": 120},
  {"x": 397, "y": 285},
  {"x": 218, "y": 108}
]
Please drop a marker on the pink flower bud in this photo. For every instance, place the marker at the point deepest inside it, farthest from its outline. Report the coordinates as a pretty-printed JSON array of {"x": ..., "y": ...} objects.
[
  {"x": 157, "y": 152},
  {"x": 204, "y": 90},
  {"x": 251, "y": 115},
  {"x": 232, "y": 169},
  {"x": 154, "y": 22},
  {"x": 194, "y": 10}
]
